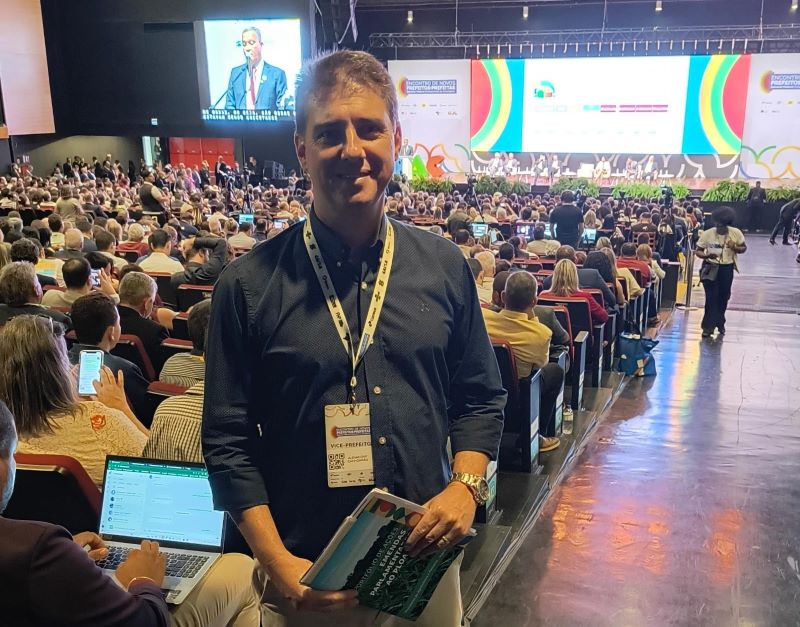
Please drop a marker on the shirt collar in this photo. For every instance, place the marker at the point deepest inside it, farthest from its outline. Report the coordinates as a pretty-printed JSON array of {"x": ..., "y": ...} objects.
[
  {"x": 516, "y": 315},
  {"x": 333, "y": 246}
]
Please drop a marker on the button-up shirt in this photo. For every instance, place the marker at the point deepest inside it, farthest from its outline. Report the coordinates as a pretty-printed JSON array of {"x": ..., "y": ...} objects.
[{"x": 274, "y": 361}]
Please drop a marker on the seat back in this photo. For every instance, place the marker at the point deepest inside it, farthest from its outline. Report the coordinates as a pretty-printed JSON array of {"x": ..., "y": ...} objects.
[
  {"x": 180, "y": 326},
  {"x": 596, "y": 294},
  {"x": 131, "y": 256},
  {"x": 165, "y": 288},
  {"x": 172, "y": 346},
  {"x": 54, "y": 489},
  {"x": 562, "y": 315},
  {"x": 130, "y": 347},
  {"x": 508, "y": 371},
  {"x": 579, "y": 313},
  {"x": 189, "y": 295}
]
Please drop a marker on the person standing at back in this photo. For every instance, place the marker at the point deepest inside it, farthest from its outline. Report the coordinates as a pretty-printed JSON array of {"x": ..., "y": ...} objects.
[
  {"x": 756, "y": 198},
  {"x": 348, "y": 316},
  {"x": 567, "y": 220}
]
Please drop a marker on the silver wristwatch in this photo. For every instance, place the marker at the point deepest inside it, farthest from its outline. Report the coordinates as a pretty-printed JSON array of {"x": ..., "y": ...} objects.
[{"x": 476, "y": 484}]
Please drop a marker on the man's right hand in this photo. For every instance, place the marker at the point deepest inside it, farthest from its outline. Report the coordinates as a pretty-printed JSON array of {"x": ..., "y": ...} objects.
[
  {"x": 145, "y": 562},
  {"x": 285, "y": 573}
]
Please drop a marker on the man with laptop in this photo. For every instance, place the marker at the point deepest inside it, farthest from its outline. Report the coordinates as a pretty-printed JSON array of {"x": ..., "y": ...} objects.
[{"x": 155, "y": 517}]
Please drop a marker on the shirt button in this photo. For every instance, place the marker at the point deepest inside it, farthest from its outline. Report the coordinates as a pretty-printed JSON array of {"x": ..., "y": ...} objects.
[
  {"x": 338, "y": 264},
  {"x": 381, "y": 440},
  {"x": 377, "y": 389},
  {"x": 364, "y": 285}
]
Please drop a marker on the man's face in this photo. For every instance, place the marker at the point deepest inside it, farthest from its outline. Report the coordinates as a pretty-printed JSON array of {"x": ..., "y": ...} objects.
[
  {"x": 252, "y": 46},
  {"x": 8, "y": 471},
  {"x": 349, "y": 148}
]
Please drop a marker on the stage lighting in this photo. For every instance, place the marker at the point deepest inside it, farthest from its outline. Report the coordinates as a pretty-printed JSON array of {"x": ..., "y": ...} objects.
[
  {"x": 410, "y": 17},
  {"x": 524, "y": 13},
  {"x": 794, "y": 5},
  {"x": 659, "y": 5}
]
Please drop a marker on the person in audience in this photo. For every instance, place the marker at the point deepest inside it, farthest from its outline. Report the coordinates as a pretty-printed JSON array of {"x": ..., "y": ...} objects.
[
  {"x": 95, "y": 320},
  {"x": 718, "y": 247},
  {"x": 438, "y": 369},
  {"x": 29, "y": 251},
  {"x": 565, "y": 284},
  {"x": 262, "y": 227},
  {"x": 644, "y": 225},
  {"x": 187, "y": 221},
  {"x": 588, "y": 278},
  {"x": 243, "y": 239},
  {"x": 37, "y": 385},
  {"x": 627, "y": 259},
  {"x": 188, "y": 368},
  {"x": 461, "y": 238},
  {"x": 205, "y": 259},
  {"x": 159, "y": 259},
  {"x": 73, "y": 245},
  {"x": 137, "y": 297},
  {"x": 21, "y": 293},
  {"x": 78, "y": 279},
  {"x": 49, "y": 577},
  {"x": 623, "y": 275},
  {"x": 85, "y": 227},
  {"x": 645, "y": 254},
  {"x": 786, "y": 217},
  {"x": 484, "y": 294},
  {"x": 67, "y": 206},
  {"x": 107, "y": 245},
  {"x": 596, "y": 260},
  {"x": 517, "y": 324},
  {"x": 540, "y": 245},
  {"x": 135, "y": 242},
  {"x": 567, "y": 220}
]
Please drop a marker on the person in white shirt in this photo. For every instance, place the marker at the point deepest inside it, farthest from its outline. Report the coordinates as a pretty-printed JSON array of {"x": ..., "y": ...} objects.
[
  {"x": 159, "y": 260},
  {"x": 243, "y": 238},
  {"x": 79, "y": 281}
]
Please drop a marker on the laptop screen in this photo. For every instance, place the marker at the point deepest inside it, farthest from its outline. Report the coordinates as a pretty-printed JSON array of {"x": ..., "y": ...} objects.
[
  {"x": 158, "y": 500},
  {"x": 246, "y": 217},
  {"x": 589, "y": 236},
  {"x": 479, "y": 229}
]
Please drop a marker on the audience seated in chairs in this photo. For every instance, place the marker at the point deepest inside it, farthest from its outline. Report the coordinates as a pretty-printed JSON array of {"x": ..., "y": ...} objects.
[
  {"x": 107, "y": 245},
  {"x": 206, "y": 257},
  {"x": 159, "y": 259},
  {"x": 30, "y": 250},
  {"x": 49, "y": 577},
  {"x": 597, "y": 260},
  {"x": 137, "y": 294},
  {"x": 541, "y": 246},
  {"x": 78, "y": 279},
  {"x": 37, "y": 385},
  {"x": 135, "y": 243},
  {"x": 518, "y": 325},
  {"x": 243, "y": 239},
  {"x": 484, "y": 293},
  {"x": 20, "y": 294},
  {"x": 565, "y": 284},
  {"x": 188, "y": 368},
  {"x": 73, "y": 245},
  {"x": 96, "y": 323},
  {"x": 634, "y": 290},
  {"x": 627, "y": 259},
  {"x": 588, "y": 278}
]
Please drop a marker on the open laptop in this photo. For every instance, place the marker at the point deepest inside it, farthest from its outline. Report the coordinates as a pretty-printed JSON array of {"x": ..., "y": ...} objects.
[
  {"x": 246, "y": 217},
  {"x": 479, "y": 229},
  {"x": 589, "y": 236},
  {"x": 169, "y": 502}
]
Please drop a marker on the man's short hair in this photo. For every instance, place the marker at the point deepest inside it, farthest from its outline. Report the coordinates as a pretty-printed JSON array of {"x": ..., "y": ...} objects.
[
  {"x": 8, "y": 433},
  {"x": 628, "y": 249},
  {"x": 25, "y": 249},
  {"x": 246, "y": 227},
  {"x": 565, "y": 252},
  {"x": 104, "y": 240},
  {"x": 91, "y": 316},
  {"x": 55, "y": 222},
  {"x": 646, "y": 215},
  {"x": 83, "y": 224},
  {"x": 253, "y": 29},
  {"x": 499, "y": 282},
  {"x": 158, "y": 239},
  {"x": 261, "y": 225},
  {"x": 76, "y": 273},
  {"x": 135, "y": 288},
  {"x": 461, "y": 237},
  {"x": 31, "y": 233},
  {"x": 506, "y": 251},
  {"x": 197, "y": 323},
  {"x": 17, "y": 283},
  {"x": 475, "y": 267},
  {"x": 567, "y": 196},
  {"x": 538, "y": 232},
  {"x": 346, "y": 70},
  {"x": 520, "y": 291}
]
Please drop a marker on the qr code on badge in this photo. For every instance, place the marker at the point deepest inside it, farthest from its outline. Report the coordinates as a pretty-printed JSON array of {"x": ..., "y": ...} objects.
[{"x": 335, "y": 461}]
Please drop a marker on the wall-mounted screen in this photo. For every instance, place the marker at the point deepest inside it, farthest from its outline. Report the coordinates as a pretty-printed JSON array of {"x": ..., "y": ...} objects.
[
  {"x": 638, "y": 105},
  {"x": 247, "y": 69}
]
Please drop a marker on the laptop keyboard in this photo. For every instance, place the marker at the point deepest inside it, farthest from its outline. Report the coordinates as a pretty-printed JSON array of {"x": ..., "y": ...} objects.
[{"x": 178, "y": 564}]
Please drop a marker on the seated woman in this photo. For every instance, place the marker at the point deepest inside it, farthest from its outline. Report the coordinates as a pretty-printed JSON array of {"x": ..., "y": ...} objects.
[
  {"x": 623, "y": 274},
  {"x": 598, "y": 261},
  {"x": 565, "y": 284},
  {"x": 41, "y": 392}
]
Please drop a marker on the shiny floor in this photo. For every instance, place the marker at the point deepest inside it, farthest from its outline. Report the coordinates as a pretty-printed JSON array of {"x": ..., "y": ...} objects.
[{"x": 684, "y": 507}]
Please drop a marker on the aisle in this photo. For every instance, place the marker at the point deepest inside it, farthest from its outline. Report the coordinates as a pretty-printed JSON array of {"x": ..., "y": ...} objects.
[{"x": 683, "y": 508}]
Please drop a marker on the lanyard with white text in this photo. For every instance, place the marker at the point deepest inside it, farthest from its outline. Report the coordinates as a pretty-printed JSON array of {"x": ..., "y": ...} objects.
[{"x": 335, "y": 306}]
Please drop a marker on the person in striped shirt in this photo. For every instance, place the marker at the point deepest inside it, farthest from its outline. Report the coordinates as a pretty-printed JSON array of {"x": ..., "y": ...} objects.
[{"x": 188, "y": 368}]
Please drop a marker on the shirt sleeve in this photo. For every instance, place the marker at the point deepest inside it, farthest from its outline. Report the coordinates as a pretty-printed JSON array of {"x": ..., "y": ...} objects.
[
  {"x": 64, "y": 582},
  {"x": 599, "y": 315},
  {"x": 227, "y": 433},
  {"x": 476, "y": 420}
]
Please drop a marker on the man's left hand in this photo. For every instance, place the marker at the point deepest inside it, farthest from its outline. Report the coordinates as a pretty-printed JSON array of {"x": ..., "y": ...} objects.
[
  {"x": 97, "y": 548},
  {"x": 447, "y": 522}
]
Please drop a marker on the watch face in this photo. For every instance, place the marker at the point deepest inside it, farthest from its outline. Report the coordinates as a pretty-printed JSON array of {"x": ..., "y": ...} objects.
[{"x": 483, "y": 490}]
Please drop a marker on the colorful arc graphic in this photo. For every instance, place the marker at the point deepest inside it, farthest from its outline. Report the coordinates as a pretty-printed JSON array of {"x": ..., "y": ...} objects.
[
  {"x": 721, "y": 113},
  {"x": 500, "y": 107}
]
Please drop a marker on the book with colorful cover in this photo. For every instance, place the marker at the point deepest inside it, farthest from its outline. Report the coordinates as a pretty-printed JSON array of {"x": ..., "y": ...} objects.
[{"x": 367, "y": 554}]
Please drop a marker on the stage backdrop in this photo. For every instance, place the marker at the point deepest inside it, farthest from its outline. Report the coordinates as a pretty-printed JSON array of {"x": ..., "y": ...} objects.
[
  {"x": 771, "y": 147},
  {"x": 434, "y": 107}
]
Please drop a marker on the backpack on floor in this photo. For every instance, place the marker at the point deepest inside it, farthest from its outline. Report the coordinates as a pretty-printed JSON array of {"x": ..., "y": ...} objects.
[{"x": 635, "y": 359}]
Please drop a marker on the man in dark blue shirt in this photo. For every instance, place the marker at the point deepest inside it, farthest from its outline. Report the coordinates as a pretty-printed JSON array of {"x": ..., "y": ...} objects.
[{"x": 276, "y": 362}]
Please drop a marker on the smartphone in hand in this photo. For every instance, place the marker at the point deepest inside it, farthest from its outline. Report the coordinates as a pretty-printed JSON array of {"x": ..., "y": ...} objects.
[{"x": 89, "y": 366}]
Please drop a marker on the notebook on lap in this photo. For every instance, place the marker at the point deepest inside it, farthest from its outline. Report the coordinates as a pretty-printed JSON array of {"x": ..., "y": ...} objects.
[{"x": 169, "y": 502}]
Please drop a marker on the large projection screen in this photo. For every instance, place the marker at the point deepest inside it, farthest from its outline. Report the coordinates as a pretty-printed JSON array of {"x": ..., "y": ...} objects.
[{"x": 23, "y": 69}]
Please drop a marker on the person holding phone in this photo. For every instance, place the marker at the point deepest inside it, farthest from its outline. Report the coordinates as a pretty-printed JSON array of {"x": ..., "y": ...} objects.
[
  {"x": 718, "y": 248},
  {"x": 55, "y": 417}
]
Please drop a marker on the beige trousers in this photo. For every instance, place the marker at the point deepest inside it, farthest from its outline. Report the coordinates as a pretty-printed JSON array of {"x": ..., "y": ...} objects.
[
  {"x": 443, "y": 610},
  {"x": 224, "y": 598}
]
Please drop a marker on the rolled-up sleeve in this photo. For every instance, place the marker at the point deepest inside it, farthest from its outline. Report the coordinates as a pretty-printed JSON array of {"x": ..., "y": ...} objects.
[
  {"x": 229, "y": 434},
  {"x": 476, "y": 419}
]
